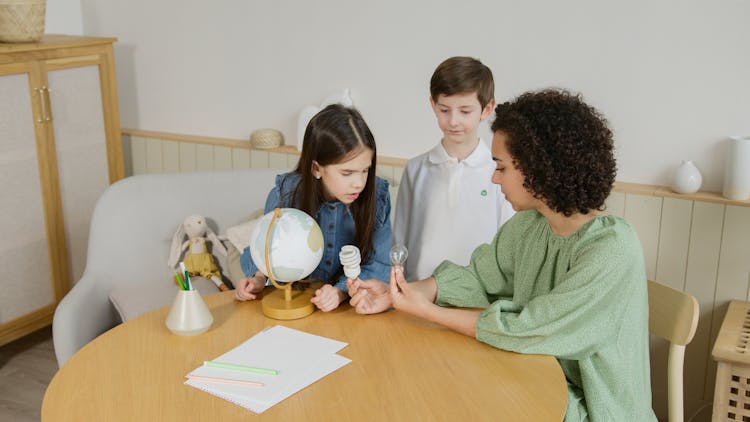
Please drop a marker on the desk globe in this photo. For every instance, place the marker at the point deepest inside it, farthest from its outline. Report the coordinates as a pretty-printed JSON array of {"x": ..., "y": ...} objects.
[{"x": 286, "y": 245}]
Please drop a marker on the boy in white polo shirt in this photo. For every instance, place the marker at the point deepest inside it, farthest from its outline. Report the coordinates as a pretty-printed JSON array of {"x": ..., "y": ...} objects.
[{"x": 447, "y": 204}]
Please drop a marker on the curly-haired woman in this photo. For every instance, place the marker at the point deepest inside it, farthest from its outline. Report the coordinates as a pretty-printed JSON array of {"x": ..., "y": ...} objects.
[{"x": 561, "y": 277}]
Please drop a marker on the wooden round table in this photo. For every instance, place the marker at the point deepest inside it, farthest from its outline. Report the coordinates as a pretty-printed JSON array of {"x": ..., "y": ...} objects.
[{"x": 402, "y": 368}]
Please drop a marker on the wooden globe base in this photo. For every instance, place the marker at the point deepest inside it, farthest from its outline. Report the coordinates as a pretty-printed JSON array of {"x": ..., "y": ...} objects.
[{"x": 276, "y": 306}]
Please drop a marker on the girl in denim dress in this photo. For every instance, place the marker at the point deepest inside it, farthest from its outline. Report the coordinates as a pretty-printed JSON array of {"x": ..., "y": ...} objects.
[{"x": 335, "y": 183}]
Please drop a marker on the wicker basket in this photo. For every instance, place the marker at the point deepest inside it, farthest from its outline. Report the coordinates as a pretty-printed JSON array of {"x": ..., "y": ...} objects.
[
  {"x": 732, "y": 353},
  {"x": 266, "y": 138},
  {"x": 21, "y": 20}
]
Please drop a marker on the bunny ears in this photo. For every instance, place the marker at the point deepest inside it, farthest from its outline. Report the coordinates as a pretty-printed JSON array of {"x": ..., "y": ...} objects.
[
  {"x": 176, "y": 249},
  {"x": 193, "y": 226}
]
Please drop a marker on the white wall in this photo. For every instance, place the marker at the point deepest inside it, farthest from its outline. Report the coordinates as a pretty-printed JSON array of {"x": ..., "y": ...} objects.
[
  {"x": 63, "y": 17},
  {"x": 671, "y": 76}
]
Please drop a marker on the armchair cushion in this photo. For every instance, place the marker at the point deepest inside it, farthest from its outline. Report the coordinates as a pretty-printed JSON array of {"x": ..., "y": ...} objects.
[
  {"x": 238, "y": 239},
  {"x": 234, "y": 270},
  {"x": 239, "y": 235}
]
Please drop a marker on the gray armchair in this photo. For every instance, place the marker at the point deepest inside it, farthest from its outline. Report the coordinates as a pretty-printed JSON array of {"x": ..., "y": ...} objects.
[{"x": 131, "y": 231}]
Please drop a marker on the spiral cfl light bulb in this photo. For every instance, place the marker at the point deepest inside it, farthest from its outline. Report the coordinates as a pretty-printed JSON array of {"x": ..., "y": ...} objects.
[{"x": 350, "y": 259}]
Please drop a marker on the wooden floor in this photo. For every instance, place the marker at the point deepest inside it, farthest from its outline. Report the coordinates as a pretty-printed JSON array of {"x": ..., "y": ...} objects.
[{"x": 26, "y": 367}]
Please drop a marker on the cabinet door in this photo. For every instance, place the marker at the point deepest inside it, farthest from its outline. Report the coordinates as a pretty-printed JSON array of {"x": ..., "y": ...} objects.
[
  {"x": 26, "y": 285},
  {"x": 78, "y": 122}
]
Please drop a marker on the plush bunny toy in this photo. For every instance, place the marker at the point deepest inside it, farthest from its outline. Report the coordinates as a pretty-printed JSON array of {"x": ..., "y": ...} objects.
[{"x": 198, "y": 262}]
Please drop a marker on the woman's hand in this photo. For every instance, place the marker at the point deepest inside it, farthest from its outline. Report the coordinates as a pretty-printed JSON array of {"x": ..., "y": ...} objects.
[
  {"x": 369, "y": 296},
  {"x": 328, "y": 298},
  {"x": 248, "y": 288},
  {"x": 405, "y": 297}
]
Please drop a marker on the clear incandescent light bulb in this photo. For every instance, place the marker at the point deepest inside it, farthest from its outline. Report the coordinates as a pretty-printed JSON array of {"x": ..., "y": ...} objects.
[{"x": 398, "y": 256}]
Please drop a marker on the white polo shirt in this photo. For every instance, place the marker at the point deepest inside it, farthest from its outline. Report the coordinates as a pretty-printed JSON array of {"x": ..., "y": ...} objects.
[{"x": 446, "y": 208}]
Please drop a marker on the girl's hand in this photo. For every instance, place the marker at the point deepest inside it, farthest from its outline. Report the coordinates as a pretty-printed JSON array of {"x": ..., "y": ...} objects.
[
  {"x": 328, "y": 298},
  {"x": 369, "y": 296},
  {"x": 352, "y": 284},
  {"x": 406, "y": 298},
  {"x": 248, "y": 288}
]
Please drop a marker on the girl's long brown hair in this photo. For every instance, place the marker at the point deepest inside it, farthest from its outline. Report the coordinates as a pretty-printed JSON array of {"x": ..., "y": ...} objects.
[{"x": 336, "y": 134}]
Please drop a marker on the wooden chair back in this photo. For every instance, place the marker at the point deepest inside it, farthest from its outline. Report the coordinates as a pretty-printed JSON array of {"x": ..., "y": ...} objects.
[{"x": 673, "y": 316}]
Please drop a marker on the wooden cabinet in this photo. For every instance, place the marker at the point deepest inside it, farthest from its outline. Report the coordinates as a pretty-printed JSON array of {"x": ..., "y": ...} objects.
[{"x": 60, "y": 147}]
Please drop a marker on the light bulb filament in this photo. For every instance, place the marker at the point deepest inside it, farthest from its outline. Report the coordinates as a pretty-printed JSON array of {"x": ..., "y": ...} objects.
[{"x": 399, "y": 253}]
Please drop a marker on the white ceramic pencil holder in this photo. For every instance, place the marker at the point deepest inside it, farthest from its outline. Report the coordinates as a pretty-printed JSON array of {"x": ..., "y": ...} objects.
[{"x": 189, "y": 315}]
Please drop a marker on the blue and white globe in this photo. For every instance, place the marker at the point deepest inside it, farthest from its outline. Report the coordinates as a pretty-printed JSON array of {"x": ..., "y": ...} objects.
[{"x": 296, "y": 245}]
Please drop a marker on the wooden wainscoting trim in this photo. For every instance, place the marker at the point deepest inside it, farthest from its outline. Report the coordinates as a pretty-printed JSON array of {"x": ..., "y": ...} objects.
[
  {"x": 624, "y": 187},
  {"x": 236, "y": 143},
  {"x": 205, "y": 140}
]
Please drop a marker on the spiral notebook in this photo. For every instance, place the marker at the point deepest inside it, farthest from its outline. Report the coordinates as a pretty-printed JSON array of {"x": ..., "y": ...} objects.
[{"x": 299, "y": 357}]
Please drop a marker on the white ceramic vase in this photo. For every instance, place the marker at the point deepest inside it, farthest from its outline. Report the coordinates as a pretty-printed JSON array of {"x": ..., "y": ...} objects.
[
  {"x": 687, "y": 178},
  {"x": 189, "y": 315},
  {"x": 737, "y": 169}
]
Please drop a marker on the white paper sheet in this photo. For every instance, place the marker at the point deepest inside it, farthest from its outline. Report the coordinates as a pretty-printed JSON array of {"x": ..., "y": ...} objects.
[{"x": 300, "y": 359}]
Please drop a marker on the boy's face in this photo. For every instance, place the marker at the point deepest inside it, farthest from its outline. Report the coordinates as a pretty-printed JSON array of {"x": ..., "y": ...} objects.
[
  {"x": 509, "y": 177},
  {"x": 344, "y": 181},
  {"x": 459, "y": 115}
]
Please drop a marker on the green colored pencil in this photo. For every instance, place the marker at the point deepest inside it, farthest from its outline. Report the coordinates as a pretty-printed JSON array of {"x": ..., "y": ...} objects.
[
  {"x": 179, "y": 281},
  {"x": 243, "y": 368}
]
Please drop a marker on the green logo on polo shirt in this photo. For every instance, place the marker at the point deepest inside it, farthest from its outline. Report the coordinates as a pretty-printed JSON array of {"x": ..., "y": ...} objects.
[{"x": 484, "y": 192}]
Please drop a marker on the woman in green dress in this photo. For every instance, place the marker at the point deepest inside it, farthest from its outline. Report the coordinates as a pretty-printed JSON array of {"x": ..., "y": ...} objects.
[{"x": 561, "y": 277}]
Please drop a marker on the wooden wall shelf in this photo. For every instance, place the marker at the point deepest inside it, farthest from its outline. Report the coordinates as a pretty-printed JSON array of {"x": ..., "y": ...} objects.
[
  {"x": 665, "y": 192},
  {"x": 624, "y": 187}
]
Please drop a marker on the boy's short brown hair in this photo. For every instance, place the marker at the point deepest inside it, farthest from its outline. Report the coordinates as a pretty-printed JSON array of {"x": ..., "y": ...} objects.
[{"x": 461, "y": 75}]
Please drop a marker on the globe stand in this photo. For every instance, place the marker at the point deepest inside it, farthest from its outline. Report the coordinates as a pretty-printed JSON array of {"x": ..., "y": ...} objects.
[{"x": 283, "y": 303}]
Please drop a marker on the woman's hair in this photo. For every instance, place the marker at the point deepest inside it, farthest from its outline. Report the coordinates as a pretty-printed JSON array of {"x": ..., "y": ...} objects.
[
  {"x": 563, "y": 148},
  {"x": 335, "y": 135}
]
